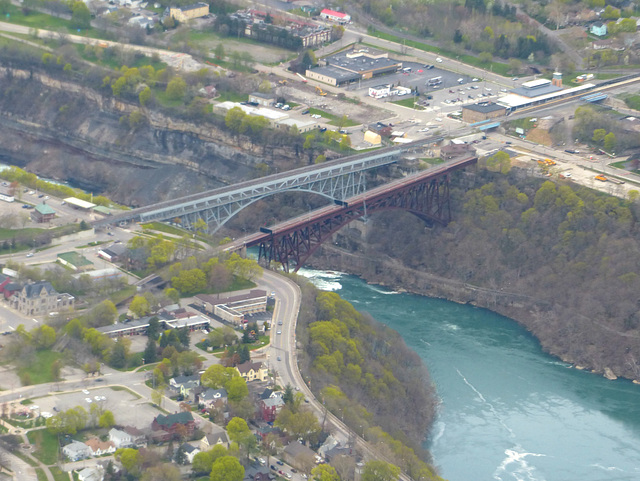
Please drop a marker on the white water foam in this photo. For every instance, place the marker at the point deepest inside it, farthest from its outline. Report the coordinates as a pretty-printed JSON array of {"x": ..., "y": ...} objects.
[
  {"x": 606, "y": 468},
  {"x": 381, "y": 291},
  {"x": 324, "y": 280},
  {"x": 516, "y": 467}
]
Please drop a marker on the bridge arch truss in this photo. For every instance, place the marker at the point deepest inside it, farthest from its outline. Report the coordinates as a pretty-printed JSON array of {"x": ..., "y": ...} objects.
[{"x": 425, "y": 196}]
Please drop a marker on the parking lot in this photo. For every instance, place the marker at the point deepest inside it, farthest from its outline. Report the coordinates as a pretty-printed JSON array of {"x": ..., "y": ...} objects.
[{"x": 127, "y": 408}]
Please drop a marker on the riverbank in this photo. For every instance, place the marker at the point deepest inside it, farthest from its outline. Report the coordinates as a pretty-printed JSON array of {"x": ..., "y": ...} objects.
[{"x": 527, "y": 311}]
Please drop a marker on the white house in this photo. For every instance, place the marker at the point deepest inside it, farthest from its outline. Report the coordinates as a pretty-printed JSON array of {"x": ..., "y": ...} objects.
[
  {"x": 333, "y": 16},
  {"x": 75, "y": 451},
  {"x": 91, "y": 474},
  {"x": 120, "y": 439},
  {"x": 189, "y": 451}
]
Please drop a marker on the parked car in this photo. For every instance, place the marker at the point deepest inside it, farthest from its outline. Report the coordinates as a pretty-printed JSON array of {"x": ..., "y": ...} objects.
[
  {"x": 439, "y": 60},
  {"x": 280, "y": 463}
]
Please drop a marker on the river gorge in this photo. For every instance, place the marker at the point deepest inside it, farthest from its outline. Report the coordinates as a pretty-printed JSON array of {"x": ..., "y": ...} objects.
[{"x": 508, "y": 411}]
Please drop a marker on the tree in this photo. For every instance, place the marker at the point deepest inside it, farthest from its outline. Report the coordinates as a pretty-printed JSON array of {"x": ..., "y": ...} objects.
[
  {"x": 80, "y": 15},
  {"x": 236, "y": 388},
  {"x": 324, "y": 472},
  {"x": 150, "y": 352},
  {"x": 104, "y": 314},
  {"x": 598, "y": 135},
  {"x": 130, "y": 459},
  {"x": 139, "y": 306},
  {"x": 219, "y": 52},
  {"x": 610, "y": 142},
  {"x": 500, "y": 162},
  {"x": 234, "y": 118},
  {"x": 44, "y": 337},
  {"x": 144, "y": 96},
  {"x": 120, "y": 353},
  {"x": 176, "y": 88},
  {"x": 172, "y": 294},
  {"x": 238, "y": 430},
  {"x": 190, "y": 281},
  {"x": 227, "y": 468},
  {"x": 485, "y": 57},
  {"x": 380, "y": 471},
  {"x": 107, "y": 420}
]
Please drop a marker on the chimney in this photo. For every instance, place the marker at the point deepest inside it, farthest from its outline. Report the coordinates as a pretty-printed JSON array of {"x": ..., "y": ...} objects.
[{"x": 557, "y": 79}]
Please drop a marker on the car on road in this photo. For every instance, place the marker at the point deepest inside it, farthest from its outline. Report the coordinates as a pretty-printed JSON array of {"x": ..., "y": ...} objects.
[
  {"x": 475, "y": 80},
  {"x": 279, "y": 332},
  {"x": 88, "y": 399},
  {"x": 30, "y": 254},
  {"x": 279, "y": 358},
  {"x": 439, "y": 60},
  {"x": 288, "y": 475},
  {"x": 280, "y": 323}
]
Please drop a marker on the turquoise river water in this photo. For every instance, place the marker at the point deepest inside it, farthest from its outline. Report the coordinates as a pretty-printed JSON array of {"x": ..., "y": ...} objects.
[{"x": 508, "y": 411}]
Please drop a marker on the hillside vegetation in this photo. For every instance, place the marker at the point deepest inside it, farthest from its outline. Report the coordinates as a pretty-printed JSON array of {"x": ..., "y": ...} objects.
[
  {"x": 367, "y": 376},
  {"x": 563, "y": 260}
]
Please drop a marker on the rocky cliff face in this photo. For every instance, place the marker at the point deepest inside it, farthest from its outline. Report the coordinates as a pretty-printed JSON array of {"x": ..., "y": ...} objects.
[{"x": 65, "y": 131}]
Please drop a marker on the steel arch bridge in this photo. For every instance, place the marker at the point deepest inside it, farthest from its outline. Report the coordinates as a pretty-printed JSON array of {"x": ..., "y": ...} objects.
[
  {"x": 336, "y": 180},
  {"x": 425, "y": 195}
]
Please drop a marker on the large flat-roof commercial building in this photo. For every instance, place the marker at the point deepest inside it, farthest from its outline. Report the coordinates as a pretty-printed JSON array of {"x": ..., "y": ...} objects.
[
  {"x": 353, "y": 65},
  {"x": 482, "y": 111},
  {"x": 233, "y": 309},
  {"x": 189, "y": 12}
]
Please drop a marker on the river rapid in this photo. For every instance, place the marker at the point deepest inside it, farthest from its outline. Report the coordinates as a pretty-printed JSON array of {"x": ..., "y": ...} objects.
[{"x": 508, "y": 411}]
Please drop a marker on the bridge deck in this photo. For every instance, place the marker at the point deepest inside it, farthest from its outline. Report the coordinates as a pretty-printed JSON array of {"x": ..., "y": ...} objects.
[{"x": 291, "y": 225}]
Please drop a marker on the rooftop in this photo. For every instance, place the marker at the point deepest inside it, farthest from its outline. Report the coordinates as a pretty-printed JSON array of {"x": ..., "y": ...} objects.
[
  {"x": 336, "y": 73},
  {"x": 83, "y": 204},
  {"x": 44, "y": 209},
  {"x": 484, "y": 107},
  {"x": 75, "y": 259},
  {"x": 193, "y": 6}
]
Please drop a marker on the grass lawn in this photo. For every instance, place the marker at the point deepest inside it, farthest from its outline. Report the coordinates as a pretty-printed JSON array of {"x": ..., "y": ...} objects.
[
  {"x": 43, "y": 21},
  {"x": 46, "y": 445},
  {"x": 496, "y": 67},
  {"x": 632, "y": 101},
  {"x": 58, "y": 474},
  {"x": 41, "y": 475},
  {"x": 232, "y": 97},
  {"x": 335, "y": 119},
  {"x": 26, "y": 459},
  {"x": 39, "y": 371},
  {"x": 11, "y": 233},
  {"x": 123, "y": 294},
  {"x": 169, "y": 229},
  {"x": 409, "y": 102}
]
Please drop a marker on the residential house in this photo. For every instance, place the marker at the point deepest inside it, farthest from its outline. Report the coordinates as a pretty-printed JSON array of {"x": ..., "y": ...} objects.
[
  {"x": 42, "y": 213},
  {"x": 213, "y": 439},
  {"x": 99, "y": 448},
  {"x": 129, "y": 437},
  {"x": 270, "y": 407},
  {"x": 296, "y": 454},
  {"x": 333, "y": 16},
  {"x": 252, "y": 371},
  {"x": 184, "y": 384},
  {"x": 189, "y": 451},
  {"x": 95, "y": 473},
  {"x": 208, "y": 91},
  {"x": 599, "y": 29},
  {"x": 39, "y": 298},
  {"x": 174, "y": 425},
  {"x": 264, "y": 431},
  {"x": 76, "y": 451},
  {"x": 211, "y": 398},
  {"x": 256, "y": 473}
]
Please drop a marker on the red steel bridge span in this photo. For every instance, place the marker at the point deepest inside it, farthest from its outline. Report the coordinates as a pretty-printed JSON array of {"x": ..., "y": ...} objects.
[{"x": 291, "y": 243}]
